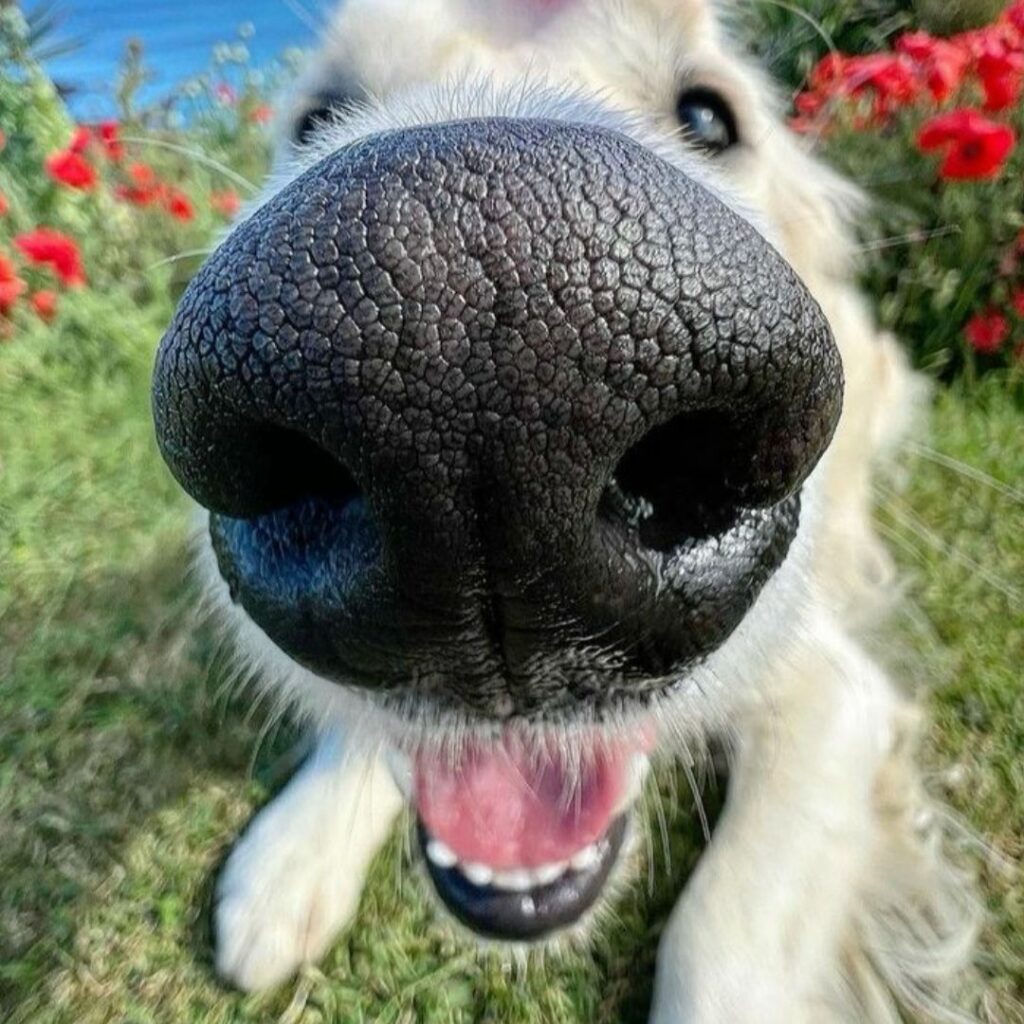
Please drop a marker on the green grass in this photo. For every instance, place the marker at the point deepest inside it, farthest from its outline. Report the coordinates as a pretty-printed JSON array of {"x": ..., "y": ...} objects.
[{"x": 125, "y": 770}]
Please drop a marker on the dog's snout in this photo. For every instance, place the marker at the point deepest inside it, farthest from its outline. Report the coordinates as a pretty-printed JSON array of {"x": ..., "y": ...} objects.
[{"x": 488, "y": 385}]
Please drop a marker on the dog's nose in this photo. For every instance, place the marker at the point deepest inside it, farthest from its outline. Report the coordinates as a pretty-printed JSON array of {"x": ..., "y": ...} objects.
[{"x": 464, "y": 396}]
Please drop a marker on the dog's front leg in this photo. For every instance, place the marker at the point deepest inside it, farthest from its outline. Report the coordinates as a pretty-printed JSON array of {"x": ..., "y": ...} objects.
[
  {"x": 758, "y": 930},
  {"x": 295, "y": 877}
]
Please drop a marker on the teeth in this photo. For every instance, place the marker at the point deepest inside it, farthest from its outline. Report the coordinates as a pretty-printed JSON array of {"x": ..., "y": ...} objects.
[
  {"x": 586, "y": 858},
  {"x": 518, "y": 880},
  {"x": 510, "y": 879},
  {"x": 440, "y": 854},
  {"x": 547, "y": 873},
  {"x": 478, "y": 874}
]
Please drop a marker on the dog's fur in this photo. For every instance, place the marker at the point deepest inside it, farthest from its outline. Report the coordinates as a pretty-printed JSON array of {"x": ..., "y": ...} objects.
[{"x": 824, "y": 895}]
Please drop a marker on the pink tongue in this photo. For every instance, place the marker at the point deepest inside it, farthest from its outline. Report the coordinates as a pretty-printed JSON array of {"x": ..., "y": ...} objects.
[{"x": 504, "y": 806}]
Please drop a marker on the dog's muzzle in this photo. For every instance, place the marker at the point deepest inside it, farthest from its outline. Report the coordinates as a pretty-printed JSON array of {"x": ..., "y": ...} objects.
[{"x": 505, "y": 416}]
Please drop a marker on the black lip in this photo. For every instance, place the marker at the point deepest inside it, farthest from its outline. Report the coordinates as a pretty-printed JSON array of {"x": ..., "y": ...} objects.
[{"x": 525, "y": 916}]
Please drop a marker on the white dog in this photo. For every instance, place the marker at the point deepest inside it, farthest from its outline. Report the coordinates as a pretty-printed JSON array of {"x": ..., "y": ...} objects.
[{"x": 488, "y": 229}]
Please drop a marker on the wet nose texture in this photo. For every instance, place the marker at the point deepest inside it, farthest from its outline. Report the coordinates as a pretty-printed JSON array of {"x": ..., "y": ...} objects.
[{"x": 466, "y": 396}]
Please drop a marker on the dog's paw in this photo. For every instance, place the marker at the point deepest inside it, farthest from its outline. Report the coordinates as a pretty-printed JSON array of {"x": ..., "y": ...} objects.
[
  {"x": 295, "y": 878},
  {"x": 715, "y": 993},
  {"x": 279, "y": 906},
  {"x": 281, "y": 899},
  {"x": 749, "y": 1000},
  {"x": 710, "y": 974}
]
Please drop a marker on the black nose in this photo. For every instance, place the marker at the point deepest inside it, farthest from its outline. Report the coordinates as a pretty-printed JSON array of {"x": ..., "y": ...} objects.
[{"x": 514, "y": 412}]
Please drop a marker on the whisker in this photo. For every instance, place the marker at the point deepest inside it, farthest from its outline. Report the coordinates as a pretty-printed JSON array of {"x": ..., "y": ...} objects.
[
  {"x": 648, "y": 831},
  {"x": 900, "y": 540},
  {"x": 198, "y": 155},
  {"x": 177, "y": 257},
  {"x": 268, "y": 733},
  {"x": 895, "y": 241},
  {"x": 666, "y": 847},
  {"x": 404, "y": 855},
  {"x": 910, "y": 521},
  {"x": 698, "y": 799},
  {"x": 967, "y": 470}
]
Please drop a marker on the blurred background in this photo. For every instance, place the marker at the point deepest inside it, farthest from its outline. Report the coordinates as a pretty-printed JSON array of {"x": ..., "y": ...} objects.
[
  {"x": 131, "y": 752},
  {"x": 87, "y": 40}
]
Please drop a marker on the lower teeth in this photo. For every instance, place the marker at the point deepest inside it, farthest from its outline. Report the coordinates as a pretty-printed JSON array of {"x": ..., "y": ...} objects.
[
  {"x": 441, "y": 855},
  {"x": 512, "y": 879}
]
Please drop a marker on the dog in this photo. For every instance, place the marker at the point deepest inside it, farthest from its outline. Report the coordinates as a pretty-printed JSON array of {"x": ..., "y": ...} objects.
[{"x": 535, "y": 412}]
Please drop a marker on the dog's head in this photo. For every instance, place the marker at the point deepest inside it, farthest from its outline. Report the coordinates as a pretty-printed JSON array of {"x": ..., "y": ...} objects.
[{"x": 502, "y": 405}]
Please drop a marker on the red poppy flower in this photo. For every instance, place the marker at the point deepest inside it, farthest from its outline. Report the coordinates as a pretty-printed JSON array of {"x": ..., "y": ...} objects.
[
  {"x": 890, "y": 76},
  {"x": 1001, "y": 72},
  {"x": 942, "y": 64},
  {"x": 109, "y": 135},
  {"x": 226, "y": 203},
  {"x": 892, "y": 79},
  {"x": 1014, "y": 16},
  {"x": 975, "y": 146},
  {"x": 4, "y": 205},
  {"x": 9, "y": 292},
  {"x": 144, "y": 189},
  {"x": 71, "y": 169},
  {"x": 45, "y": 304},
  {"x": 828, "y": 74},
  {"x": 142, "y": 174},
  {"x": 11, "y": 286},
  {"x": 918, "y": 45},
  {"x": 986, "y": 332},
  {"x": 179, "y": 206},
  {"x": 46, "y": 246},
  {"x": 80, "y": 140},
  {"x": 811, "y": 113},
  {"x": 1017, "y": 301},
  {"x": 809, "y": 104},
  {"x": 261, "y": 114}
]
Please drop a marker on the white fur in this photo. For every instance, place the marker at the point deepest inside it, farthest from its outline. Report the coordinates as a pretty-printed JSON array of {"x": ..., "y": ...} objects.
[
  {"x": 825, "y": 895},
  {"x": 295, "y": 877},
  {"x": 769, "y": 905}
]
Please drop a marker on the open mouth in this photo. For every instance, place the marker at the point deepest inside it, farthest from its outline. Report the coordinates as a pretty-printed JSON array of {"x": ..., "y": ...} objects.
[{"x": 519, "y": 842}]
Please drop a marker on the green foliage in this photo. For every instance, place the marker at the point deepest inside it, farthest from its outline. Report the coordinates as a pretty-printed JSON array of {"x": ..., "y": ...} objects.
[
  {"x": 134, "y": 252},
  {"x": 943, "y": 242},
  {"x": 790, "y": 36},
  {"x": 956, "y": 15}
]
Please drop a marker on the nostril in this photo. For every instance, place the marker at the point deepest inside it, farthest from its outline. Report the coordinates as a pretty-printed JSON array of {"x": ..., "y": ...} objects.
[
  {"x": 671, "y": 486},
  {"x": 258, "y": 469},
  {"x": 301, "y": 469}
]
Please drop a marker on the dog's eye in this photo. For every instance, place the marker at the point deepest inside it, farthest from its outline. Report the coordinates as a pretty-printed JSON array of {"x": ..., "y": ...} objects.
[
  {"x": 707, "y": 120},
  {"x": 327, "y": 108}
]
